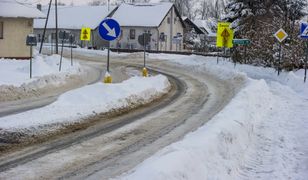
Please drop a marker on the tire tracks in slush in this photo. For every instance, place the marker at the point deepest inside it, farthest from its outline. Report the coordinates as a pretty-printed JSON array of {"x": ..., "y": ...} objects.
[{"x": 108, "y": 154}]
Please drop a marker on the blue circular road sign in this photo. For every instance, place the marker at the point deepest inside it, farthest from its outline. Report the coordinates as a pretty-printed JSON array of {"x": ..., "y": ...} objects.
[{"x": 109, "y": 29}]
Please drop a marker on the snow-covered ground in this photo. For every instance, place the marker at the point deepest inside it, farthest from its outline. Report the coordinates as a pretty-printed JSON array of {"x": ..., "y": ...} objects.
[
  {"x": 261, "y": 134},
  {"x": 76, "y": 105},
  {"x": 15, "y": 79},
  {"x": 17, "y": 72}
]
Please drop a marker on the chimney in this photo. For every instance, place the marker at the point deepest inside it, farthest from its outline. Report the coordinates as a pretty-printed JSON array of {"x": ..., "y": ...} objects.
[{"x": 39, "y": 7}]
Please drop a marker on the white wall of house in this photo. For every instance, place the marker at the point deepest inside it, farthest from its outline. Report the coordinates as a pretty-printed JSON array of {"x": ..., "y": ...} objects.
[
  {"x": 95, "y": 41},
  {"x": 128, "y": 41},
  {"x": 15, "y": 31},
  {"x": 170, "y": 26}
]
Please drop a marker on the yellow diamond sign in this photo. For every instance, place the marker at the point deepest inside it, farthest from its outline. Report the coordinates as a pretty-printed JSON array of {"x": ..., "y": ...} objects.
[
  {"x": 85, "y": 34},
  {"x": 281, "y": 35}
]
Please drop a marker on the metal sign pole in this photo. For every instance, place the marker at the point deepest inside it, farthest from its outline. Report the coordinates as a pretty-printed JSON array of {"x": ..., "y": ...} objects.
[
  {"x": 306, "y": 62},
  {"x": 56, "y": 14},
  {"x": 61, "y": 55},
  {"x": 234, "y": 54},
  {"x": 144, "y": 49},
  {"x": 30, "y": 62},
  {"x": 108, "y": 56},
  {"x": 71, "y": 53},
  {"x": 245, "y": 53},
  {"x": 44, "y": 32},
  {"x": 279, "y": 58}
]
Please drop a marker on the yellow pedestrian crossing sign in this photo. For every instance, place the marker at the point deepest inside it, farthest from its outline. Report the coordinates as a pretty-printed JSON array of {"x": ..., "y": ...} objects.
[
  {"x": 224, "y": 35},
  {"x": 85, "y": 34}
]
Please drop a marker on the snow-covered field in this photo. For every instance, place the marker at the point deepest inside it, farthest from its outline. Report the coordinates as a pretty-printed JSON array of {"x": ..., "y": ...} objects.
[
  {"x": 15, "y": 79},
  {"x": 76, "y": 105},
  {"x": 261, "y": 134}
]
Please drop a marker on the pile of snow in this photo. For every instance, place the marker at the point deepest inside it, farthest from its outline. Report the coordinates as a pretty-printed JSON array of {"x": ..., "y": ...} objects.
[
  {"x": 224, "y": 69},
  {"x": 15, "y": 75},
  {"x": 75, "y": 105},
  {"x": 261, "y": 134}
]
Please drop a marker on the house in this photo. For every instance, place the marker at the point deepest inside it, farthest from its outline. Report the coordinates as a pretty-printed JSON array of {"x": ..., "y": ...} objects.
[
  {"x": 192, "y": 35},
  {"x": 208, "y": 27},
  {"x": 161, "y": 20},
  {"x": 73, "y": 19},
  {"x": 16, "y": 22}
]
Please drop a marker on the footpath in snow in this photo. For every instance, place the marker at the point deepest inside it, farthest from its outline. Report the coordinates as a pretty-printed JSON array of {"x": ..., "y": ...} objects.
[
  {"x": 261, "y": 134},
  {"x": 15, "y": 82},
  {"x": 77, "y": 105}
]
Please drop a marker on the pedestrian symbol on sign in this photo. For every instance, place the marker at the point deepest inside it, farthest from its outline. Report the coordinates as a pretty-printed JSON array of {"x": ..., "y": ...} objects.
[
  {"x": 85, "y": 34},
  {"x": 304, "y": 30}
]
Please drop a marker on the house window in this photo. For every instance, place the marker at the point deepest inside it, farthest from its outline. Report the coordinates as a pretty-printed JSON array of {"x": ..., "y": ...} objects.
[
  {"x": 132, "y": 33},
  {"x": 168, "y": 20},
  {"x": 1, "y": 30},
  {"x": 53, "y": 36}
]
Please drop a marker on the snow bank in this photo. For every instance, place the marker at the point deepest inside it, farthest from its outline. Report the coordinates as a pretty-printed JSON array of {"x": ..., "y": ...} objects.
[
  {"x": 293, "y": 79},
  {"x": 15, "y": 82},
  {"x": 75, "y": 105},
  {"x": 261, "y": 134},
  {"x": 215, "y": 150}
]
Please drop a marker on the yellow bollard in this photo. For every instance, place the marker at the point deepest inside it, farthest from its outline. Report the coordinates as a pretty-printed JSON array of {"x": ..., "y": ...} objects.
[
  {"x": 108, "y": 78},
  {"x": 144, "y": 72}
]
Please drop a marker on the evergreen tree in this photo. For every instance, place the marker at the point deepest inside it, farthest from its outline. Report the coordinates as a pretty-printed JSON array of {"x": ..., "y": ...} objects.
[{"x": 258, "y": 20}]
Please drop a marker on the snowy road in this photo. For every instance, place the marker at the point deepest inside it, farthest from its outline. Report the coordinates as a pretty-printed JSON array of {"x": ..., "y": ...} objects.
[{"x": 115, "y": 146}]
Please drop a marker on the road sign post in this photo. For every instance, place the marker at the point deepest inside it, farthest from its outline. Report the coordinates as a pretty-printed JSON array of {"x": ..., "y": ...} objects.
[
  {"x": 224, "y": 36},
  {"x": 280, "y": 35},
  {"x": 72, "y": 40},
  {"x": 304, "y": 36},
  {"x": 63, "y": 35},
  {"x": 245, "y": 43},
  {"x": 109, "y": 30},
  {"x": 306, "y": 62},
  {"x": 144, "y": 40},
  {"x": 31, "y": 41}
]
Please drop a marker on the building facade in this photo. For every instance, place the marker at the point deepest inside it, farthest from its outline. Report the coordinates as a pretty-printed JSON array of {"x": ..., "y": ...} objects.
[
  {"x": 16, "y": 22},
  {"x": 72, "y": 19},
  {"x": 161, "y": 20}
]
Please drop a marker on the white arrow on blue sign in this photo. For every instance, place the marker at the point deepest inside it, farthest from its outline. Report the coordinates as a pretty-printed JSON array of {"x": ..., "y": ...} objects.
[
  {"x": 109, "y": 29},
  {"x": 304, "y": 31}
]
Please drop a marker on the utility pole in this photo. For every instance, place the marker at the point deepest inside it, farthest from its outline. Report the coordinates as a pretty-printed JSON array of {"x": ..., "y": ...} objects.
[
  {"x": 108, "y": 6},
  {"x": 44, "y": 32},
  {"x": 56, "y": 13}
]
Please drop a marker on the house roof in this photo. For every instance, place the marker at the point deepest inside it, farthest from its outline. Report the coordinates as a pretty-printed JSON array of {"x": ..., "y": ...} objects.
[
  {"x": 193, "y": 25},
  {"x": 75, "y": 17},
  {"x": 12, "y": 9},
  {"x": 205, "y": 24},
  {"x": 142, "y": 15}
]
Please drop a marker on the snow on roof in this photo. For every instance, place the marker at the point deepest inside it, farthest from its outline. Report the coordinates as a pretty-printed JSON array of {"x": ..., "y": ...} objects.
[
  {"x": 142, "y": 15},
  {"x": 13, "y": 9},
  {"x": 206, "y": 24},
  {"x": 75, "y": 17}
]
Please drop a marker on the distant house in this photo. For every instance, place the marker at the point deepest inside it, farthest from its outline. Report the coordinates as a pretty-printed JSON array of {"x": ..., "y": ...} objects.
[
  {"x": 72, "y": 19},
  {"x": 207, "y": 26},
  {"x": 162, "y": 21},
  {"x": 192, "y": 35},
  {"x": 16, "y": 22}
]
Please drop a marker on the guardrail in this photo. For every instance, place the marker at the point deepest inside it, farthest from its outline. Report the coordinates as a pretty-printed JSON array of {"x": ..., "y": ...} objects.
[{"x": 171, "y": 52}]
